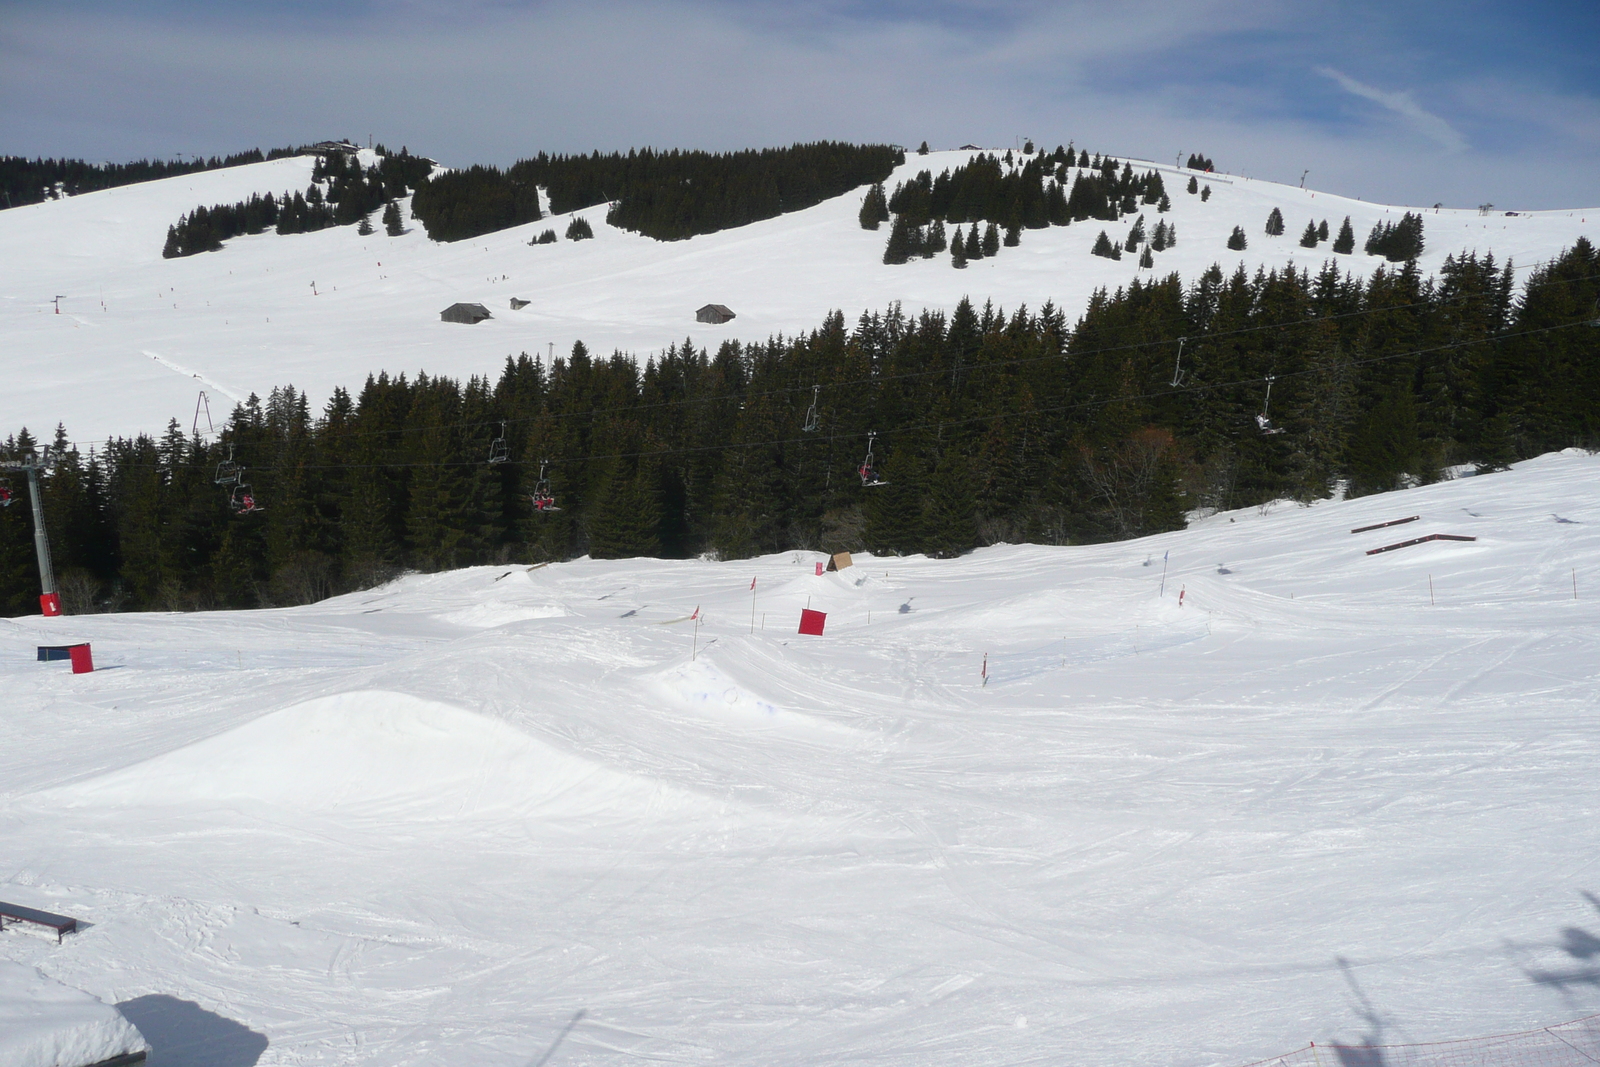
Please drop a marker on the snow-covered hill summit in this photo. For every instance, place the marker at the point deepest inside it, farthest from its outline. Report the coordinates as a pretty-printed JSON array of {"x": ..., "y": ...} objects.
[
  {"x": 138, "y": 336},
  {"x": 1187, "y": 801}
]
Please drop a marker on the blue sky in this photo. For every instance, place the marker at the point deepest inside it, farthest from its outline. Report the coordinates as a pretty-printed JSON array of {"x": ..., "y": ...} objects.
[{"x": 1414, "y": 103}]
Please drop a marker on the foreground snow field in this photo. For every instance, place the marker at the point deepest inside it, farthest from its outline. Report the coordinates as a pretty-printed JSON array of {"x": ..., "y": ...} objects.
[
  {"x": 138, "y": 336},
  {"x": 435, "y": 822},
  {"x": 46, "y": 1024}
]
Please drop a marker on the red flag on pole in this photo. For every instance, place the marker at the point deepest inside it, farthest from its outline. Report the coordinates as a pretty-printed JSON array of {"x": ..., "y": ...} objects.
[
  {"x": 752, "y": 585},
  {"x": 696, "y": 614}
]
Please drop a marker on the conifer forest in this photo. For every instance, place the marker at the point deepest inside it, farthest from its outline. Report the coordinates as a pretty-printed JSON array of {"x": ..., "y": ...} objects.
[{"x": 987, "y": 425}]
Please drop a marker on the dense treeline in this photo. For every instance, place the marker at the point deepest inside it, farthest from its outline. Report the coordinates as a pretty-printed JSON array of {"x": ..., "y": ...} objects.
[
  {"x": 665, "y": 195},
  {"x": 990, "y": 427},
  {"x": 353, "y": 193},
  {"x": 31, "y": 181},
  {"x": 1033, "y": 193}
]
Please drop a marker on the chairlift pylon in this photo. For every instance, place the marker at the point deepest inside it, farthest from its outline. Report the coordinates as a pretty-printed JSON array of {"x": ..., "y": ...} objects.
[
  {"x": 543, "y": 500},
  {"x": 812, "y": 418},
  {"x": 868, "y": 472},
  {"x": 498, "y": 451},
  {"x": 202, "y": 406},
  {"x": 1262, "y": 420},
  {"x": 1177, "y": 366}
]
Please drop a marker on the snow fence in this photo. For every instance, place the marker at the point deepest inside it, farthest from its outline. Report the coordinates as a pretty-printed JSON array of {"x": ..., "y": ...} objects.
[{"x": 1573, "y": 1044}]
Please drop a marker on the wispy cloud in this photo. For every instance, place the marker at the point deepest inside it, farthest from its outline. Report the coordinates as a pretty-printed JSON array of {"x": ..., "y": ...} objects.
[{"x": 1423, "y": 121}]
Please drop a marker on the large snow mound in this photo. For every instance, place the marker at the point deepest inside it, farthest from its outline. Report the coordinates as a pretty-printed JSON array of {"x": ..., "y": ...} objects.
[
  {"x": 44, "y": 1023},
  {"x": 382, "y": 754}
]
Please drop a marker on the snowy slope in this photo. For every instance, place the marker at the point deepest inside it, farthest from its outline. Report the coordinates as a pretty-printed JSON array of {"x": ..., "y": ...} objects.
[
  {"x": 139, "y": 336},
  {"x": 434, "y": 822},
  {"x": 46, "y": 1024}
]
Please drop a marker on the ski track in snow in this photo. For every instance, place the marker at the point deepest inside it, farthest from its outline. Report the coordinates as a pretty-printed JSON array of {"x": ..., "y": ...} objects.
[{"x": 434, "y": 821}]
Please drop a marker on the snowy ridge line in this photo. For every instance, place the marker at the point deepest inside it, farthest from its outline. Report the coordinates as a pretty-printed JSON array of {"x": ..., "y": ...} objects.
[{"x": 1448, "y": 1053}]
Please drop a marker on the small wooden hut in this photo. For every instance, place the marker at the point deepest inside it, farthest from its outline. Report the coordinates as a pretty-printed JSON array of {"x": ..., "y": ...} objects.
[
  {"x": 715, "y": 313},
  {"x": 467, "y": 313}
]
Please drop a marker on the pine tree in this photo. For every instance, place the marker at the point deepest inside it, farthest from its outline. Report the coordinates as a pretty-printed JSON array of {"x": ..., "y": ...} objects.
[
  {"x": 365, "y": 227},
  {"x": 958, "y": 253},
  {"x": 1146, "y": 259},
  {"x": 1322, "y": 230},
  {"x": 1165, "y": 205},
  {"x": 172, "y": 249},
  {"x": 1308, "y": 239},
  {"x": 874, "y": 207},
  {"x": 900, "y": 247},
  {"x": 922, "y": 149},
  {"x": 391, "y": 219},
  {"x": 1205, "y": 194},
  {"x": 1158, "y": 239},
  {"x": 1013, "y": 236},
  {"x": 1345, "y": 243},
  {"x": 1135, "y": 235},
  {"x": 1194, "y": 184},
  {"x": 1236, "y": 240},
  {"x": 936, "y": 241},
  {"x": 1104, "y": 248},
  {"x": 974, "y": 245},
  {"x": 1275, "y": 223},
  {"x": 950, "y": 516},
  {"x": 579, "y": 229},
  {"x": 991, "y": 240}
]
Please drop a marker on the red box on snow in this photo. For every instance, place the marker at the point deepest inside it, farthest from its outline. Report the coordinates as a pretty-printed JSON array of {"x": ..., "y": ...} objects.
[
  {"x": 811, "y": 621},
  {"x": 82, "y": 661}
]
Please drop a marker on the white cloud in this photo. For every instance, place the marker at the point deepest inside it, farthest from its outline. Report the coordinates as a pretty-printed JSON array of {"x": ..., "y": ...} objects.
[{"x": 1402, "y": 104}]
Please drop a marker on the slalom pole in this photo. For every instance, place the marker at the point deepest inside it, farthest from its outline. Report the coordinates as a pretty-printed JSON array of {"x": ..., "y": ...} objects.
[{"x": 1164, "y": 556}]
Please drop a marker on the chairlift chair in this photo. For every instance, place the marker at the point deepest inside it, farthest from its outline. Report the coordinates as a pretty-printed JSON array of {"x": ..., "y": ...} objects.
[
  {"x": 228, "y": 471},
  {"x": 1262, "y": 421},
  {"x": 7, "y": 498},
  {"x": 868, "y": 472},
  {"x": 498, "y": 452},
  {"x": 812, "y": 419},
  {"x": 543, "y": 499},
  {"x": 242, "y": 500},
  {"x": 1177, "y": 366}
]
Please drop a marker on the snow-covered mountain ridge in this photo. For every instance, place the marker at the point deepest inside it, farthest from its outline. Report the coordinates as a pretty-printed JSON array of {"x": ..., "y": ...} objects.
[{"x": 138, "y": 336}]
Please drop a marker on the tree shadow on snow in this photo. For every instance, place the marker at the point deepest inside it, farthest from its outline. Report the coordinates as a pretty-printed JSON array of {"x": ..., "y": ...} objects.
[{"x": 183, "y": 1034}]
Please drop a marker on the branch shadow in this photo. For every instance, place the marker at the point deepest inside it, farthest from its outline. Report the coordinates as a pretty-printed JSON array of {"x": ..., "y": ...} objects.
[{"x": 183, "y": 1034}]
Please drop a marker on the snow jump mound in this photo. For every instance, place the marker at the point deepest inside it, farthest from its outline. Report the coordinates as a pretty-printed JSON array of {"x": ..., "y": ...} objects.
[{"x": 379, "y": 754}]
